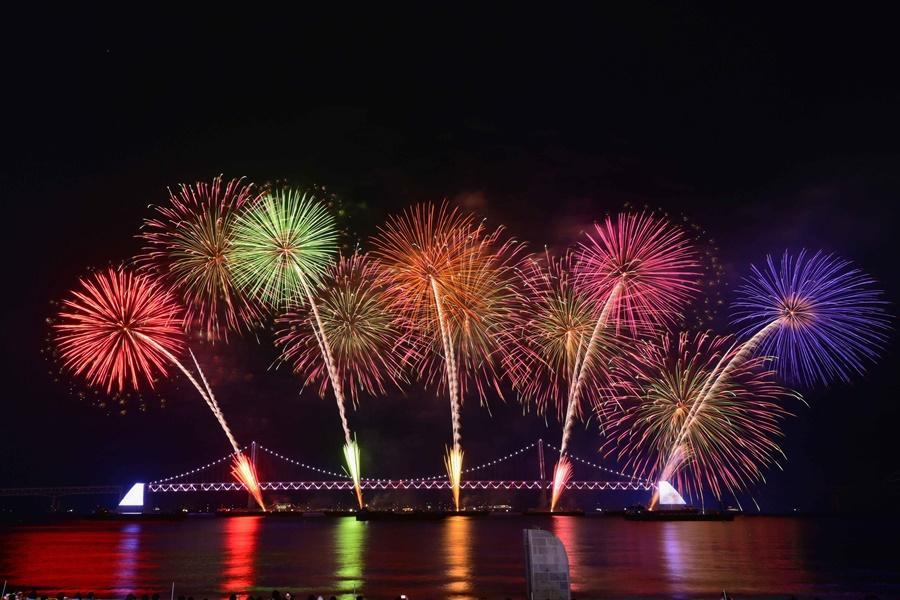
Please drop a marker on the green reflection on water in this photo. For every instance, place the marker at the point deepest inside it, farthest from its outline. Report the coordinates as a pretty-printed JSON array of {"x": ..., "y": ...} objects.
[{"x": 349, "y": 546}]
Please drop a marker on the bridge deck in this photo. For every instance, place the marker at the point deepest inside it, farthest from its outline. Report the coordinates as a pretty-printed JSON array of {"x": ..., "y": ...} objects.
[{"x": 384, "y": 484}]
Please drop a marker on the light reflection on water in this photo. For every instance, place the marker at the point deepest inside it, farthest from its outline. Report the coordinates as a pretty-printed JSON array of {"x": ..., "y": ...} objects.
[
  {"x": 128, "y": 554},
  {"x": 459, "y": 557},
  {"x": 241, "y": 535},
  {"x": 349, "y": 551},
  {"x": 456, "y": 548}
]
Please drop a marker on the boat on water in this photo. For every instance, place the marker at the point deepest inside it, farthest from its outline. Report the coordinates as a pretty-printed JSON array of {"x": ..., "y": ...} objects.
[
  {"x": 416, "y": 515},
  {"x": 682, "y": 513},
  {"x": 544, "y": 512},
  {"x": 672, "y": 507}
]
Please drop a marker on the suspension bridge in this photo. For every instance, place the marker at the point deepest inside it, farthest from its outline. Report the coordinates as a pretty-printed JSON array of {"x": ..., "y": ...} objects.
[{"x": 320, "y": 479}]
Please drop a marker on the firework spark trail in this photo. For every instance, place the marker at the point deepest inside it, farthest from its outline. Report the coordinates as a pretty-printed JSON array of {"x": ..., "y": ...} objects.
[
  {"x": 582, "y": 365},
  {"x": 242, "y": 469},
  {"x": 563, "y": 470},
  {"x": 361, "y": 339},
  {"x": 710, "y": 388},
  {"x": 351, "y": 449},
  {"x": 452, "y": 376},
  {"x": 453, "y": 459},
  {"x": 210, "y": 400},
  {"x": 666, "y": 384},
  {"x": 561, "y": 476},
  {"x": 351, "y": 456}
]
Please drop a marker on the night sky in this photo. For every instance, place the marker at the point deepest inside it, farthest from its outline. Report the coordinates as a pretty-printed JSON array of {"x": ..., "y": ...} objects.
[{"x": 769, "y": 131}]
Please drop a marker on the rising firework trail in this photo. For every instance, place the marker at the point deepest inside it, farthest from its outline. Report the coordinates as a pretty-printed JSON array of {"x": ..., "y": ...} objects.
[
  {"x": 818, "y": 316},
  {"x": 353, "y": 306},
  {"x": 642, "y": 271},
  {"x": 450, "y": 283},
  {"x": 284, "y": 245},
  {"x": 663, "y": 383},
  {"x": 186, "y": 245},
  {"x": 119, "y": 329}
]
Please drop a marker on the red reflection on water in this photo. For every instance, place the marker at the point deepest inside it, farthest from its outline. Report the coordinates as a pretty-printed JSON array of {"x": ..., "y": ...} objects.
[
  {"x": 238, "y": 571},
  {"x": 565, "y": 529},
  {"x": 61, "y": 557}
]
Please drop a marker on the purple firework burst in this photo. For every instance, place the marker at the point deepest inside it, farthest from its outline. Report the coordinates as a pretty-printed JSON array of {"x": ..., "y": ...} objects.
[{"x": 825, "y": 318}]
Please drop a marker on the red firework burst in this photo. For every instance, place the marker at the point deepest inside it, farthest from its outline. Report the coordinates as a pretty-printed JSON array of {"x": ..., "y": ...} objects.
[
  {"x": 187, "y": 244},
  {"x": 113, "y": 327}
]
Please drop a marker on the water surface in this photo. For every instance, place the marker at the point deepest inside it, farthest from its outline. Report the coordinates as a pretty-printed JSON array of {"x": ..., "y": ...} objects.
[{"x": 458, "y": 557}]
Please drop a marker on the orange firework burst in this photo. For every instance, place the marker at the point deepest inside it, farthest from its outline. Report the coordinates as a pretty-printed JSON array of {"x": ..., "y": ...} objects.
[{"x": 450, "y": 283}]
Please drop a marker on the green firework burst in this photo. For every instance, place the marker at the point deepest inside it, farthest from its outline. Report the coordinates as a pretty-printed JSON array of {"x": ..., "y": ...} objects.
[{"x": 282, "y": 241}]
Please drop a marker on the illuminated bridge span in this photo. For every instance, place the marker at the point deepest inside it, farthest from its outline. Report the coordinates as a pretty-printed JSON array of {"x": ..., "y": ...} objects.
[
  {"x": 307, "y": 486},
  {"x": 213, "y": 477}
]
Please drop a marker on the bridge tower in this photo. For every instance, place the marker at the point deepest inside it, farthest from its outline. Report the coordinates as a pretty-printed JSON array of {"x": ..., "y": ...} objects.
[
  {"x": 251, "y": 503},
  {"x": 542, "y": 477}
]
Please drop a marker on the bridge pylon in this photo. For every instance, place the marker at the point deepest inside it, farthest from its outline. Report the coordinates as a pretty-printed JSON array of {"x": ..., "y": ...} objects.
[
  {"x": 251, "y": 502},
  {"x": 542, "y": 475}
]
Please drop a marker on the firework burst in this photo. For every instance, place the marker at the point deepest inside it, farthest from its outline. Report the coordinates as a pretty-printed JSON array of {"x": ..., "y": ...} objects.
[
  {"x": 830, "y": 319},
  {"x": 553, "y": 323},
  {"x": 187, "y": 243},
  {"x": 450, "y": 281},
  {"x": 119, "y": 329},
  {"x": 283, "y": 244},
  {"x": 353, "y": 306},
  {"x": 730, "y": 435},
  {"x": 103, "y": 326},
  {"x": 642, "y": 271}
]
